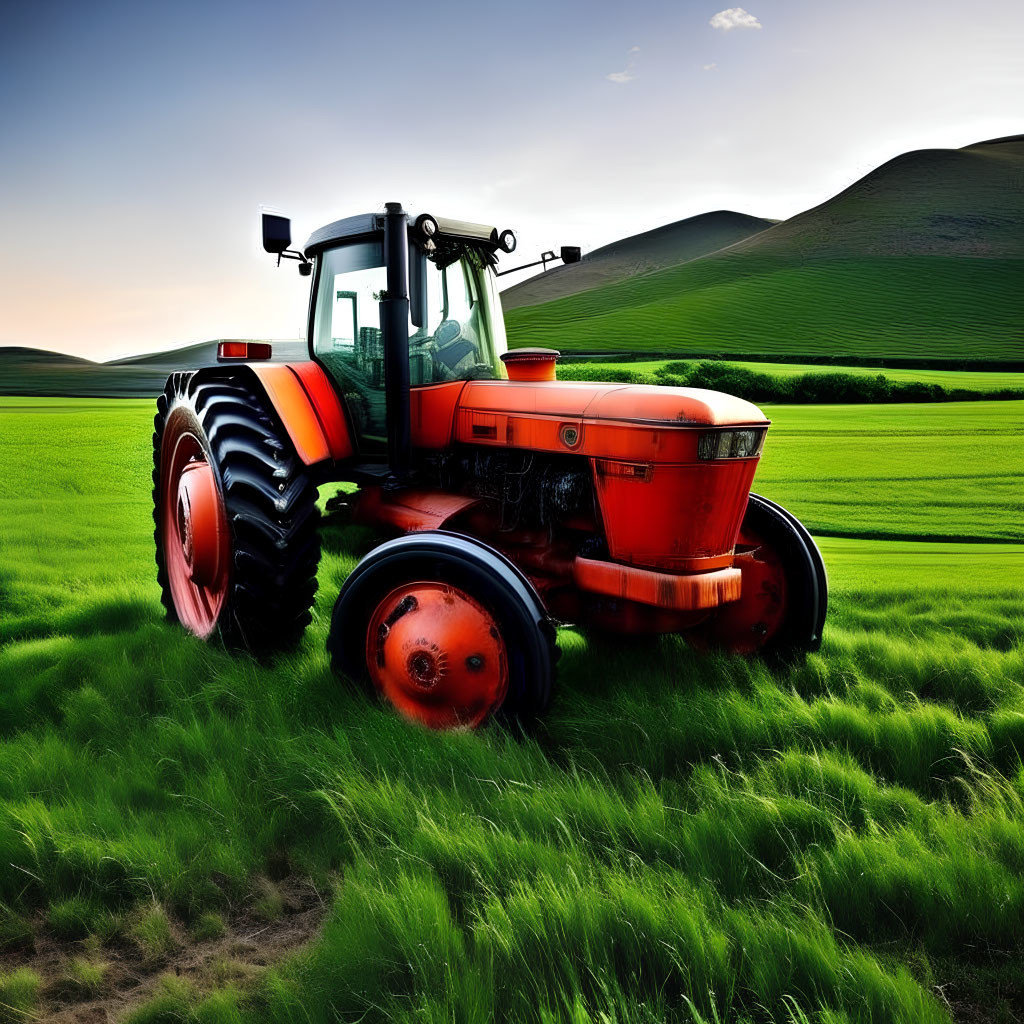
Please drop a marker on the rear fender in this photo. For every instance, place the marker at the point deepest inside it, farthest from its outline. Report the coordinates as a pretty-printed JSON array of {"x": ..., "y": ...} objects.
[{"x": 306, "y": 404}]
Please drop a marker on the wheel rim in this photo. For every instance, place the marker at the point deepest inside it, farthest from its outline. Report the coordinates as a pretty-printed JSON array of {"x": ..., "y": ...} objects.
[
  {"x": 437, "y": 654},
  {"x": 194, "y": 531},
  {"x": 748, "y": 625}
]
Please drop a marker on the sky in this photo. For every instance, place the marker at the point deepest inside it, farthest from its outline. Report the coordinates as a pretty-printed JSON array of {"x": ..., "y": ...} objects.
[{"x": 138, "y": 141}]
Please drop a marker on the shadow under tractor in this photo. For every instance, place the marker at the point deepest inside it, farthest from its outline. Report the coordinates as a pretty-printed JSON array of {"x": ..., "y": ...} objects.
[{"x": 516, "y": 500}]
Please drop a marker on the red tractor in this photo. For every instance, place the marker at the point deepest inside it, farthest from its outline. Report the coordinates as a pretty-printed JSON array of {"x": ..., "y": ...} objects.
[{"x": 518, "y": 501}]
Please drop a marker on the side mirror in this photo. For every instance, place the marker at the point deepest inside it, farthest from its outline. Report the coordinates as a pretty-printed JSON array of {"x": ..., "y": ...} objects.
[
  {"x": 568, "y": 254},
  {"x": 277, "y": 233}
]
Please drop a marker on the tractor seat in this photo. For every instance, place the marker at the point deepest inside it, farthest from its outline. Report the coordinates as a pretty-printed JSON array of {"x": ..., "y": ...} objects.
[{"x": 456, "y": 349}]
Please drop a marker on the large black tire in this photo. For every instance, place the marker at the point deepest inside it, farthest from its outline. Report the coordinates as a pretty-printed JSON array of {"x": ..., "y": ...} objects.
[
  {"x": 270, "y": 505},
  {"x": 478, "y": 570},
  {"x": 806, "y": 570}
]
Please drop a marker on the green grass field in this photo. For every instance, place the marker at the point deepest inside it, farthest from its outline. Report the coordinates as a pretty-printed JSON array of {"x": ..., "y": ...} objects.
[
  {"x": 911, "y": 306},
  {"x": 972, "y": 380},
  {"x": 692, "y": 838},
  {"x": 947, "y": 471}
]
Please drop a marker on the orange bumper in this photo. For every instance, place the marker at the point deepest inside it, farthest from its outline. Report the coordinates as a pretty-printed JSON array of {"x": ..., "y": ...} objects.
[{"x": 660, "y": 589}]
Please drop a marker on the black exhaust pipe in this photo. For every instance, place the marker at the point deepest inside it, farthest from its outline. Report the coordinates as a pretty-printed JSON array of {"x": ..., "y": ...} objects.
[{"x": 394, "y": 320}]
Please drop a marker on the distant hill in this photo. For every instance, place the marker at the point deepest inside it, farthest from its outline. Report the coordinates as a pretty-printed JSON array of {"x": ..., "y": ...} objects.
[
  {"x": 931, "y": 202},
  {"x": 32, "y": 371},
  {"x": 922, "y": 258},
  {"x": 663, "y": 247},
  {"x": 18, "y": 356}
]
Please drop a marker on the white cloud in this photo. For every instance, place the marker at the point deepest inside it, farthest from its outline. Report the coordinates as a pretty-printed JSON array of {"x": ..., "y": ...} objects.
[
  {"x": 621, "y": 77},
  {"x": 710, "y": 67},
  {"x": 734, "y": 17}
]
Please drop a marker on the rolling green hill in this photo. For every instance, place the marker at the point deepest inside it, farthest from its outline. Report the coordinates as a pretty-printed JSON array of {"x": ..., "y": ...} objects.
[
  {"x": 32, "y": 371},
  {"x": 937, "y": 202},
  {"x": 666, "y": 246},
  {"x": 19, "y": 355},
  {"x": 922, "y": 258}
]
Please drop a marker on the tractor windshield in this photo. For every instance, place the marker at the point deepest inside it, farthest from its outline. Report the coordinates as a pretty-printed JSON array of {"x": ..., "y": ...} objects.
[{"x": 462, "y": 338}]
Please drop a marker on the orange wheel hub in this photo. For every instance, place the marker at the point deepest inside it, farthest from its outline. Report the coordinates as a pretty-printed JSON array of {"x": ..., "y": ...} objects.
[
  {"x": 194, "y": 531},
  {"x": 437, "y": 655},
  {"x": 199, "y": 518}
]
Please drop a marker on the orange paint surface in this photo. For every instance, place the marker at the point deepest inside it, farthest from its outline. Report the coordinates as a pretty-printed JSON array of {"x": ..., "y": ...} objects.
[
  {"x": 432, "y": 413},
  {"x": 530, "y": 364},
  {"x": 662, "y": 590},
  {"x": 648, "y": 403},
  {"x": 410, "y": 510},
  {"x": 437, "y": 654},
  {"x": 675, "y": 513},
  {"x": 621, "y": 421},
  {"x": 311, "y": 412},
  {"x": 660, "y": 504}
]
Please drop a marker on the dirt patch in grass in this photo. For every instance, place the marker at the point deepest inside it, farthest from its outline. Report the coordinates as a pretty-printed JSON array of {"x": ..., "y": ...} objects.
[
  {"x": 94, "y": 982},
  {"x": 982, "y": 989}
]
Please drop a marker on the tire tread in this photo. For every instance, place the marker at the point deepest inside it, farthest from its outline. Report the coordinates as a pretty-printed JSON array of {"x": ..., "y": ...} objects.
[{"x": 270, "y": 502}]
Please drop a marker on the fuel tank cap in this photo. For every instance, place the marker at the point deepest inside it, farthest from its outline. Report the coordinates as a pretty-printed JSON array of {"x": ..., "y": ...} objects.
[{"x": 531, "y": 364}]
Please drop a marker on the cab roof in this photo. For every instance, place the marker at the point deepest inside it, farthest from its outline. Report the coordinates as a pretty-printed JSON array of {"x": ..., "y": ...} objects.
[{"x": 363, "y": 224}]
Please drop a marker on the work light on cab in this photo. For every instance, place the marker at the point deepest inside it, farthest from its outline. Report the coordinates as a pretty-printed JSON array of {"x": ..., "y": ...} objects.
[{"x": 426, "y": 226}]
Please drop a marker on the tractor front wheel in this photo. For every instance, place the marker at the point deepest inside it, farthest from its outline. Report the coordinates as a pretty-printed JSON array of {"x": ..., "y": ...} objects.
[
  {"x": 781, "y": 611},
  {"x": 447, "y": 630},
  {"x": 236, "y": 521}
]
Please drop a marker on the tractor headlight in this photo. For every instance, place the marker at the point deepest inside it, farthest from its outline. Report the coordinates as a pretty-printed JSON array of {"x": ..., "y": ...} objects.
[{"x": 731, "y": 444}]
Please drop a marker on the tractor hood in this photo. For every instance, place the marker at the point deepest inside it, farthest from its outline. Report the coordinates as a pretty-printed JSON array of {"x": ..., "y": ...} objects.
[
  {"x": 617, "y": 421},
  {"x": 680, "y": 406},
  {"x": 647, "y": 404}
]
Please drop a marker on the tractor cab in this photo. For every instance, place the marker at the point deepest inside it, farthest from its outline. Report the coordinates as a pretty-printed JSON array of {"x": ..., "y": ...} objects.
[
  {"x": 420, "y": 290},
  {"x": 457, "y": 335}
]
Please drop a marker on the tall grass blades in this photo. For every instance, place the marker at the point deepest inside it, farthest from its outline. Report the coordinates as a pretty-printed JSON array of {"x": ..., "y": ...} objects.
[{"x": 687, "y": 837}]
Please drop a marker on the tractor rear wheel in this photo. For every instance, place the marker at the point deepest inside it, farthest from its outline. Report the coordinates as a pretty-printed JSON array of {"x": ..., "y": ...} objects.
[
  {"x": 236, "y": 521},
  {"x": 447, "y": 630},
  {"x": 781, "y": 613}
]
